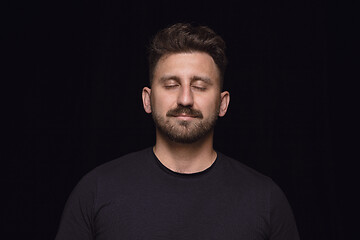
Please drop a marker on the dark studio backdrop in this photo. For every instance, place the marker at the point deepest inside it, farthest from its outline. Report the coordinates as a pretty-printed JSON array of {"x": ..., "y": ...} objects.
[{"x": 77, "y": 72}]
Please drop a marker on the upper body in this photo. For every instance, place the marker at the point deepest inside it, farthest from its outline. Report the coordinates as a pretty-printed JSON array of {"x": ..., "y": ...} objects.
[
  {"x": 217, "y": 198},
  {"x": 137, "y": 197}
]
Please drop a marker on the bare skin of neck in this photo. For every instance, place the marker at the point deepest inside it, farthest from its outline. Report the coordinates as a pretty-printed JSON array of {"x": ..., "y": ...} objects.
[{"x": 185, "y": 158}]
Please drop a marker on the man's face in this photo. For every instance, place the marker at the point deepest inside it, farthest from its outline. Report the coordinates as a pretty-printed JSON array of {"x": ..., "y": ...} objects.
[{"x": 185, "y": 98}]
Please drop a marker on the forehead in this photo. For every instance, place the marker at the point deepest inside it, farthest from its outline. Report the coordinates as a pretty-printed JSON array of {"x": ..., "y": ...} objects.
[{"x": 186, "y": 65}]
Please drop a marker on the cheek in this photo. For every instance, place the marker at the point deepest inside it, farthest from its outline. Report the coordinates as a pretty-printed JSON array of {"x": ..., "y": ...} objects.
[
  {"x": 210, "y": 106},
  {"x": 159, "y": 103}
]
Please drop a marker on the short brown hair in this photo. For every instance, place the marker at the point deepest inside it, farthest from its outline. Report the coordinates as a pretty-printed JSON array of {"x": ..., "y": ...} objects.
[{"x": 184, "y": 37}]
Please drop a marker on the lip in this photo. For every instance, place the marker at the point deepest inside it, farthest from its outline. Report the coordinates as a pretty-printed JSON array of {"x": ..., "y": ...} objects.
[{"x": 184, "y": 117}]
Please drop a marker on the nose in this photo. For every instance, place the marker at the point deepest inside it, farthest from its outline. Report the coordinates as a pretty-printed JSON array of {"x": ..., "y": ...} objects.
[{"x": 185, "y": 97}]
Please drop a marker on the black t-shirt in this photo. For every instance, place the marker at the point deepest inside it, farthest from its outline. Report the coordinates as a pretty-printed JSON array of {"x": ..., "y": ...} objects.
[{"x": 136, "y": 197}]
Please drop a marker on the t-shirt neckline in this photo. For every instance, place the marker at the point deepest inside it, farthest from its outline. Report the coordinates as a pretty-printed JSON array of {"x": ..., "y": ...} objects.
[{"x": 204, "y": 172}]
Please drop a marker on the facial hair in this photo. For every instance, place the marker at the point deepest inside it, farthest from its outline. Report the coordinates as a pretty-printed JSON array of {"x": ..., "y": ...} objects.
[{"x": 182, "y": 131}]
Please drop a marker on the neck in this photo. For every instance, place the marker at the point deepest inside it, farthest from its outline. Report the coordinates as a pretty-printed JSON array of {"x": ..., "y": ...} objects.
[{"x": 185, "y": 158}]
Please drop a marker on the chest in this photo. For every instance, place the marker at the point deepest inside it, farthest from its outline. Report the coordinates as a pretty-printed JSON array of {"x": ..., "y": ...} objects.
[{"x": 191, "y": 212}]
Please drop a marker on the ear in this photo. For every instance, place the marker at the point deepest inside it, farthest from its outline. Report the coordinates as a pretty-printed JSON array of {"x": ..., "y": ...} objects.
[
  {"x": 224, "y": 103},
  {"x": 146, "y": 92}
]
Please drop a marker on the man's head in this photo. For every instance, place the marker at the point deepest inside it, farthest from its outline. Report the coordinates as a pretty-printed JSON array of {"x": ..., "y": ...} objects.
[
  {"x": 186, "y": 38},
  {"x": 185, "y": 98}
]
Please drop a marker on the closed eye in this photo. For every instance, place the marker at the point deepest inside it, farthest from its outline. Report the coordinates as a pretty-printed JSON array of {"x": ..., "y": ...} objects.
[
  {"x": 200, "y": 83},
  {"x": 171, "y": 86},
  {"x": 199, "y": 88}
]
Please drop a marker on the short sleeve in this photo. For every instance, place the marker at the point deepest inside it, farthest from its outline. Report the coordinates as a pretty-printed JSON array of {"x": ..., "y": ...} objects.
[
  {"x": 282, "y": 221},
  {"x": 78, "y": 215}
]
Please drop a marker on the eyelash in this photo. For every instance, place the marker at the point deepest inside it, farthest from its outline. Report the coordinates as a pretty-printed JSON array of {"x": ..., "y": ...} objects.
[
  {"x": 170, "y": 86},
  {"x": 174, "y": 86}
]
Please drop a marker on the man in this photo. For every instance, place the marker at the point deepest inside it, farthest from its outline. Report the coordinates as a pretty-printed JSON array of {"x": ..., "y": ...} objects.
[{"x": 181, "y": 188}]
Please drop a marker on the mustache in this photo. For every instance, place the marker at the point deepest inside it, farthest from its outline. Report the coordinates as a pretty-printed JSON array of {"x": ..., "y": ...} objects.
[{"x": 184, "y": 110}]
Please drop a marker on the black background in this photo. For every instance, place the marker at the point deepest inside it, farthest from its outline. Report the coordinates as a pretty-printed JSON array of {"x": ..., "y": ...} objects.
[{"x": 76, "y": 71}]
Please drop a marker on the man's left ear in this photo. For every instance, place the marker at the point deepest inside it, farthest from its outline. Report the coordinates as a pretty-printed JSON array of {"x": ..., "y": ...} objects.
[{"x": 224, "y": 103}]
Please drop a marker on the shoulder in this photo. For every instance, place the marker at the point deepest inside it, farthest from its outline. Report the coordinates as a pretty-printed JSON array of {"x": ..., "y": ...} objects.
[
  {"x": 260, "y": 192},
  {"x": 241, "y": 176},
  {"x": 126, "y": 162},
  {"x": 119, "y": 168},
  {"x": 239, "y": 169},
  {"x": 256, "y": 186}
]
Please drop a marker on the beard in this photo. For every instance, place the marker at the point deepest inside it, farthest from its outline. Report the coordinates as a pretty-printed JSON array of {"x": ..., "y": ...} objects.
[{"x": 182, "y": 131}]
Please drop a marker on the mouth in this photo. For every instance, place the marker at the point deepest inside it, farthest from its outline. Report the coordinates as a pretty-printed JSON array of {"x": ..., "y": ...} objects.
[{"x": 184, "y": 117}]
